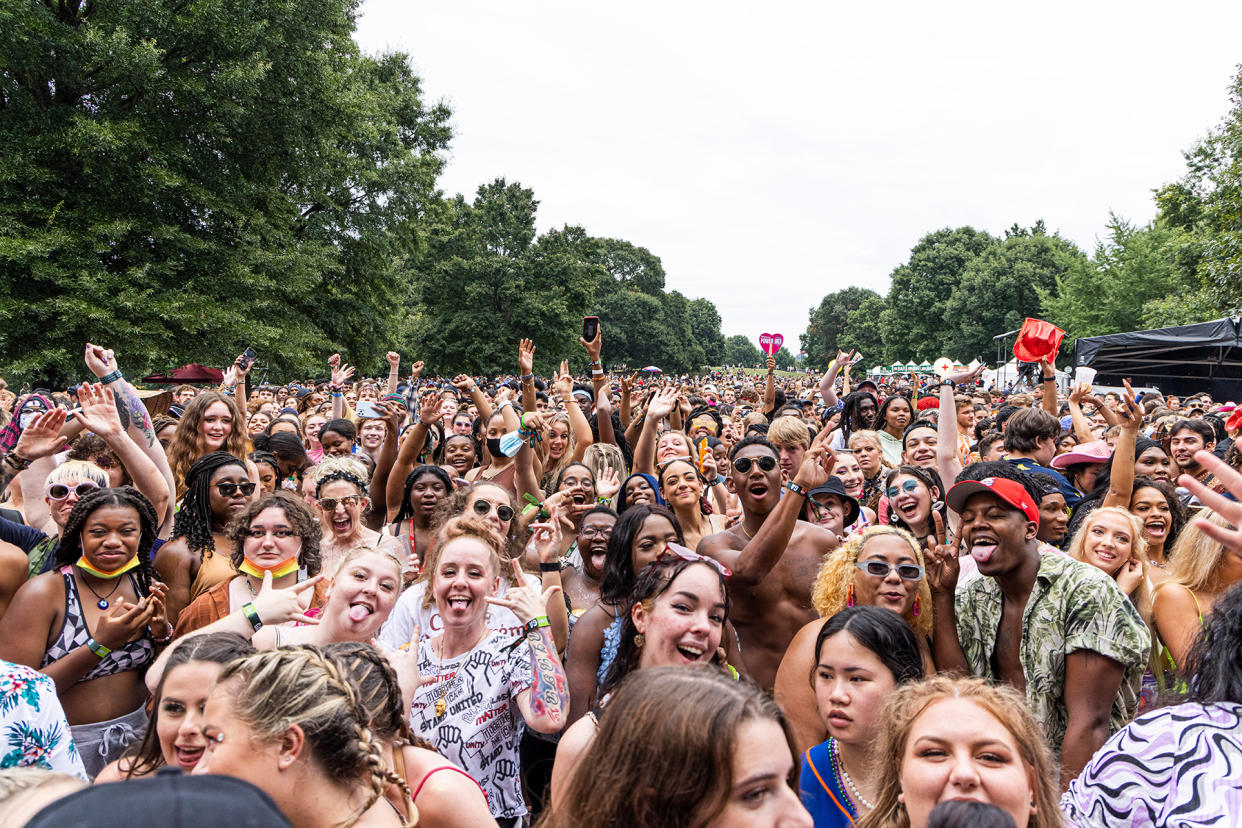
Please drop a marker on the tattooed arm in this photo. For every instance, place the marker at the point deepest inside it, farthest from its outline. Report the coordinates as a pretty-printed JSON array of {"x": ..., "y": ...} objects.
[
  {"x": 545, "y": 706},
  {"x": 135, "y": 420}
]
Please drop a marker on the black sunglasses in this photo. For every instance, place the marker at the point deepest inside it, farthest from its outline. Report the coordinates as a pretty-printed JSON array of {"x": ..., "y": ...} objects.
[
  {"x": 503, "y": 511},
  {"x": 228, "y": 489},
  {"x": 766, "y": 463}
]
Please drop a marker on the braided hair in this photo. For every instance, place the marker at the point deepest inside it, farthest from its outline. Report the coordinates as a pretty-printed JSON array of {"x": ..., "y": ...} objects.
[
  {"x": 304, "y": 686},
  {"x": 69, "y": 548},
  {"x": 194, "y": 519}
]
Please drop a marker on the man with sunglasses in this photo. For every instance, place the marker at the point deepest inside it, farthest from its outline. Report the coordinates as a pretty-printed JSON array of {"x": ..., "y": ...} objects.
[
  {"x": 1056, "y": 629},
  {"x": 773, "y": 555}
]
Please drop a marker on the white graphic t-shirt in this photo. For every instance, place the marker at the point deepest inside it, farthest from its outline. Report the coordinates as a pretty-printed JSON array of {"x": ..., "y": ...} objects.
[
  {"x": 399, "y": 627},
  {"x": 481, "y": 725}
]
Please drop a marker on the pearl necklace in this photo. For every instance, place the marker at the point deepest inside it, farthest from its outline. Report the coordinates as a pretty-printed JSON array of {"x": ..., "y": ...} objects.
[{"x": 839, "y": 765}]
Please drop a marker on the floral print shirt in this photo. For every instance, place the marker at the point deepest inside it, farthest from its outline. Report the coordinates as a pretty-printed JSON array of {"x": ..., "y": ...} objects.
[{"x": 33, "y": 729}]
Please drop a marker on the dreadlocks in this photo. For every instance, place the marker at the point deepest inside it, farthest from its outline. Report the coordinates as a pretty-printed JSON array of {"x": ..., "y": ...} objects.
[
  {"x": 194, "y": 519},
  {"x": 69, "y": 550}
]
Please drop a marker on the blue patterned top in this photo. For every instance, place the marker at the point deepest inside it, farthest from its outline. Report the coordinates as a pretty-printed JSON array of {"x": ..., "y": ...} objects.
[{"x": 33, "y": 730}]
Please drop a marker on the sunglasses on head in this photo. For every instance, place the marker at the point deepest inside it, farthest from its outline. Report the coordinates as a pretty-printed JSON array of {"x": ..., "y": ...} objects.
[
  {"x": 908, "y": 486},
  {"x": 880, "y": 569},
  {"x": 766, "y": 463},
  {"x": 228, "y": 489},
  {"x": 59, "y": 491},
  {"x": 328, "y": 504},
  {"x": 504, "y": 512},
  {"x": 676, "y": 550}
]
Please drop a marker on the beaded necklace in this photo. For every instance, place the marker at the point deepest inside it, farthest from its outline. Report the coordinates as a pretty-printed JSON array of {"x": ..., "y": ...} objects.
[{"x": 840, "y": 773}]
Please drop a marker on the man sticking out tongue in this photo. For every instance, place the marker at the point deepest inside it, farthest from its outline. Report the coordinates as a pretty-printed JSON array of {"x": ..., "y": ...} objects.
[{"x": 1056, "y": 629}]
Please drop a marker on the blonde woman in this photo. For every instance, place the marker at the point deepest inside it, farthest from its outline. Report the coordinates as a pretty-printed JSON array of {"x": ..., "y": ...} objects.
[
  {"x": 929, "y": 752},
  {"x": 866, "y": 447},
  {"x": 881, "y": 566},
  {"x": 1201, "y": 570},
  {"x": 289, "y": 722}
]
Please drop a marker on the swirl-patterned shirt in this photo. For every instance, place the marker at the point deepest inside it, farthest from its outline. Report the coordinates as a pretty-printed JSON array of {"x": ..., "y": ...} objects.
[{"x": 1176, "y": 767}]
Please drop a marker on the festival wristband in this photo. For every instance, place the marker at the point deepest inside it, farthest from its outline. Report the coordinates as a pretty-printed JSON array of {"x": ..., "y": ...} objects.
[
  {"x": 97, "y": 648},
  {"x": 549, "y": 566},
  {"x": 252, "y": 615},
  {"x": 796, "y": 489},
  {"x": 534, "y": 624},
  {"x": 111, "y": 378}
]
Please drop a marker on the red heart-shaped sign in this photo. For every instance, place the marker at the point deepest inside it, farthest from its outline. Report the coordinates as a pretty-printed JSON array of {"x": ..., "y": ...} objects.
[{"x": 771, "y": 343}]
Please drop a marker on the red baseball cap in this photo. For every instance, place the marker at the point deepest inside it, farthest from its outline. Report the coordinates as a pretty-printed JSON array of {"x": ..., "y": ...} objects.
[{"x": 1010, "y": 491}]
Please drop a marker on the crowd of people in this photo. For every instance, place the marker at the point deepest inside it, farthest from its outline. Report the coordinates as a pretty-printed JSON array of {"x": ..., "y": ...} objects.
[{"x": 619, "y": 599}]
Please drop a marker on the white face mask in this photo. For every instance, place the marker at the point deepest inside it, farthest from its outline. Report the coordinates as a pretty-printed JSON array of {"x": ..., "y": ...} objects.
[
  {"x": 27, "y": 417},
  {"x": 511, "y": 444}
]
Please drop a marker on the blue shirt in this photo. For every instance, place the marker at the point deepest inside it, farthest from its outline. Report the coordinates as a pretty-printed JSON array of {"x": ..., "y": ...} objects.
[
  {"x": 1031, "y": 467},
  {"x": 821, "y": 791}
]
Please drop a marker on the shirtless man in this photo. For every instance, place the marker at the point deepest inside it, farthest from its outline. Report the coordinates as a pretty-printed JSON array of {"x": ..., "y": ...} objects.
[{"x": 773, "y": 555}]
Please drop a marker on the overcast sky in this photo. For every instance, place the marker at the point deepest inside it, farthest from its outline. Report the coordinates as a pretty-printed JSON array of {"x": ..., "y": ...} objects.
[{"x": 770, "y": 153}]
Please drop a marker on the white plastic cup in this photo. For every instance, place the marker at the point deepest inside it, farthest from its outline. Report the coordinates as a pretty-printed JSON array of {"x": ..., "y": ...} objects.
[{"x": 1085, "y": 374}]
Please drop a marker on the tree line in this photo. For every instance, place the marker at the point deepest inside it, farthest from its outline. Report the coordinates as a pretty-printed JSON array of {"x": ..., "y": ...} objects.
[
  {"x": 180, "y": 182},
  {"x": 961, "y": 286}
]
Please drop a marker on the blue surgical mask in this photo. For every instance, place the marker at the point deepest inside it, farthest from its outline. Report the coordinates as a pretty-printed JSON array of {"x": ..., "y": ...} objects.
[{"x": 511, "y": 444}]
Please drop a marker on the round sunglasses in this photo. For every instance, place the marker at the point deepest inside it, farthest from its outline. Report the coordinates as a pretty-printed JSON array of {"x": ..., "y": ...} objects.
[
  {"x": 504, "y": 512},
  {"x": 766, "y": 463},
  {"x": 328, "y": 504},
  {"x": 59, "y": 491}
]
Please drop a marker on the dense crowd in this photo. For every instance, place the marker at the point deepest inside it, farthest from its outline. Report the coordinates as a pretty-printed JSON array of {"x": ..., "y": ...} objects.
[{"x": 735, "y": 598}]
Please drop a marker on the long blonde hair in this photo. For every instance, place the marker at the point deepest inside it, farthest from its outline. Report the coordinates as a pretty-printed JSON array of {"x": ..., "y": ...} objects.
[
  {"x": 832, "y": 585},
  {"x": 909, "y": 701},
  {"x": 1195, "y": 560},
  {"x": 274, "y": 689}
]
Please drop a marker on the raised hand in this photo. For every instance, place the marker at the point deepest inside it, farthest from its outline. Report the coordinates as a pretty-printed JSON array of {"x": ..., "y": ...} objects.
[
  {"x": 404, "y": 663},
  {"x": 523, "y": 601},
  {"x": 462, "y": 383},
  {"x": 334, "y": 361},
  {"x": 279, "y": 606},
  {"x": 416, "y": 370},
  {"x": 770, "y": 362},
  {"x": 564, "y": 383},
  {"x": 341, "y": 374},
  {"x": 1131, "y": 411},
  {"x": 941, "y": 560},
  {"x": 41, "y": 436},
  {"x": 429, "y": 408},
  {"x": 240, "y": 366},
  {"x": 817, "y": 464},
  {"x": 627, "y": 383},
  {"x": 98, "y": 413},
  {"x": 393, "y": 359},
  {"x": 594, "y": 347},
  {"x": 1079, "y": 392},
  {"x": 608, "y": 483},
  {"x": 663, "y": 401},
  {"x": 547, "y": 539},
  {"x": 393, "y": 415},
  {"x": 526, "y": 356},
  {"x": 101, "y": 361},
  {"x": 962, "y": 377}
]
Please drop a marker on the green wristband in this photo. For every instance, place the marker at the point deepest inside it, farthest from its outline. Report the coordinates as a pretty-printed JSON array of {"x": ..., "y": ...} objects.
[
  {"x": 97, "y": 648},
  {"x": 252, "y": 615}
]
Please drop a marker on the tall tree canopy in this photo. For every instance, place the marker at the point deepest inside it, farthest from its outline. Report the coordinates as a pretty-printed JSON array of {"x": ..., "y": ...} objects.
[
  {"x": 182, "y": 180},
  {"x": 827, "y": 323}
]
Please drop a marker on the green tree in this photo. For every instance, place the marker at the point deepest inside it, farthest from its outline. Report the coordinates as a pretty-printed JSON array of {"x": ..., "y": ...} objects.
[
  {"x": 705, "y": 327},
  {"x": 912, "y": 325},
  {"x": 182, "y": 180},
  {"x": 1207, "y": 204},
  {"x": 486, "y": 282},
  {"x": 1001, "y": 287},
  {"x": 784, "y": 358},
  {"x": 739, "y": 350},
  {"x": 1136, "y": 276},
  {"x": 861, "y": 332},
  {"x": 827, "y": 323}
]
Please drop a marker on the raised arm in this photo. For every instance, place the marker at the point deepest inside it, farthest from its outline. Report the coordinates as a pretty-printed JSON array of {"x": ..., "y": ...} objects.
[
  {"x": 526, "y": 364},
  {"x": 627, "y": 389},
  {"x": 829, "y": 379},
  {"x": 577, "y": 420},
  {"x": 384, "y": 463},
  {"x": 526, "y": 478},
  {"x": 407, "y": 455},
  {"x": 1082, "y": 428},
  {"x": 340, "y": 375},
  {"x": 769, "y": 388},
  {"x": 134, "y": 416},
  {"x": 40, "y": 440},
  {"x": 754, "y": 561},
  {"x": 603, "y": 413},
  {"x": 99, "y": 414},
  {"x": 660, "y": 406},
  {"x": 942, "y": 571},
  {"x": 1121, "y": 481},
  {"x": 394, "y": 371}
]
